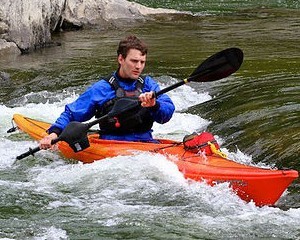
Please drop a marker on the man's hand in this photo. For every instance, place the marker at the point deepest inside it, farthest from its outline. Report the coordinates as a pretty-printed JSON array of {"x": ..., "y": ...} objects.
[
  {"x": 147, "y": 99},
  {"x": 45, "y": 143}
]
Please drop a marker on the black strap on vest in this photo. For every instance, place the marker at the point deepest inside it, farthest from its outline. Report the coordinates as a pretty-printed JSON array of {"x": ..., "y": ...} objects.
[{"x": 119, "y": 91}]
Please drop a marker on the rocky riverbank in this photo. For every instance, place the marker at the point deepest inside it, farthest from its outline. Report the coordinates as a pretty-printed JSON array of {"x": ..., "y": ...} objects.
[{"x": 28, "y": 25}]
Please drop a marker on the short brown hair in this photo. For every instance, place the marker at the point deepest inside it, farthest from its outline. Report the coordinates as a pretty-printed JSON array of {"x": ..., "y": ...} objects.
[{"x": 131, "y": 42}]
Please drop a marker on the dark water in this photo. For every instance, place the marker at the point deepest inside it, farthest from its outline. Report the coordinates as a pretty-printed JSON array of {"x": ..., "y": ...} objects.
[{"x": 257, "y": 111}]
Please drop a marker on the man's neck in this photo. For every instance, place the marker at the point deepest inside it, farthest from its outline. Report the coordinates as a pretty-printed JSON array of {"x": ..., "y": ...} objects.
[{"x": 124, "y": 79}]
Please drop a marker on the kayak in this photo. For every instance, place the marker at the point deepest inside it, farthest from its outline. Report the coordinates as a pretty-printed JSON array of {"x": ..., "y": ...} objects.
[{"x": 250, "y": 183}]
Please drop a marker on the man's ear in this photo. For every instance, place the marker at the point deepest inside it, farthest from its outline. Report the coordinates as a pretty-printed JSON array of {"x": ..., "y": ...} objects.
[{"x": 120, "y": 58}]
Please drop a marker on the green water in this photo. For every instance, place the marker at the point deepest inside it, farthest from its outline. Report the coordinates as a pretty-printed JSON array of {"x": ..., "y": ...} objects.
[
  {"x": 217, "y": 6},
  {"x": 257, "y": 110}
]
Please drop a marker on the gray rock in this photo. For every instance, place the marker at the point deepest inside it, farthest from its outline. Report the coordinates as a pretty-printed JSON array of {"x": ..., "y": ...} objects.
[
  {"x": 4, "y": 77},
  {"x": 8, "y": 48}
]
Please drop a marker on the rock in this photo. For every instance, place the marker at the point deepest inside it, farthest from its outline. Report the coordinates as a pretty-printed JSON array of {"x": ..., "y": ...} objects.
[
  {"x": 3, "y": 29},
  {"x": 121, "y": 9},
  {"x": 4, "y": 77},
  {"x": 29, "y": 24},
  {"x": 8, "y": 48}
]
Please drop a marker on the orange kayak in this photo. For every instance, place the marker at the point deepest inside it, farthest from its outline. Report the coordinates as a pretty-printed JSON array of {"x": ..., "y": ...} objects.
[{"x": 262, "y": 186}]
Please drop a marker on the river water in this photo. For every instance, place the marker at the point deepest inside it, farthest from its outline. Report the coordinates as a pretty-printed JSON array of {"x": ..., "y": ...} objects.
[{"x": 254, "y": 113}]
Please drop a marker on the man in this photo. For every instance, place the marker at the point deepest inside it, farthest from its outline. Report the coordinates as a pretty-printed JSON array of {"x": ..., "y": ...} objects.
[{"x": 126, "y": 83}]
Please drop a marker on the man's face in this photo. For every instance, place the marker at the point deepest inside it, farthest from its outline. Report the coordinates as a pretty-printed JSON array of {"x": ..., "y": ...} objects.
[{"x": 133, "y": 65}]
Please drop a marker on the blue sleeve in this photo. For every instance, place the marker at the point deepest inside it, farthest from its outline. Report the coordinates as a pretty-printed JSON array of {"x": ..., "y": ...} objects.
[
  {"x": 165, "y": 108},
  {"x": 84, "y": 107}
]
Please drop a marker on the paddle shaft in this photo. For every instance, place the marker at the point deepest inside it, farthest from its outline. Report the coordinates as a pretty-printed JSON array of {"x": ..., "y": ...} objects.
[
  {"x": 32, "y": 151},
  {"x": 167, "y": 89}
]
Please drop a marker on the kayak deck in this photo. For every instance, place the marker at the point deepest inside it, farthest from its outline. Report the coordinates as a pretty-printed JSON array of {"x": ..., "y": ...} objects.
[{"x": 263, "y": 186}]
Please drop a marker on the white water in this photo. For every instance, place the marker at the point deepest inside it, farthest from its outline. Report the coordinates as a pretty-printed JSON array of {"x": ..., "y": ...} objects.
[{"x": 144, "y": 191}]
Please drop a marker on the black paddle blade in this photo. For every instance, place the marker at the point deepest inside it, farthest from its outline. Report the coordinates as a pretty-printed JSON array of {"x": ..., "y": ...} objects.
[
  {"x": 75, "y": 134},
  {"x": 218, "y": 66}
]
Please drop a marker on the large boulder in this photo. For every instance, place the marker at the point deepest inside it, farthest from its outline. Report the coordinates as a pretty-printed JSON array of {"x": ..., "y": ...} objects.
[
  {"x": 30, "y": 22},
  {"x": 28, "y": 25}
]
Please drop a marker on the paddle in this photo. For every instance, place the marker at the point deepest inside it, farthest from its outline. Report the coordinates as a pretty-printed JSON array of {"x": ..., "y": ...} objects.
[{"x": 218, "y": 66}]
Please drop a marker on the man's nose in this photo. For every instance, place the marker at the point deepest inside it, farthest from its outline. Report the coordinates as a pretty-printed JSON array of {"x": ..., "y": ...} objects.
[{"x": 138, "y": 65}]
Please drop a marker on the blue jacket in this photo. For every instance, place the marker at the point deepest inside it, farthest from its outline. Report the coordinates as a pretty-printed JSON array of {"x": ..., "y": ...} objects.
[{"x": 84, "y": 107}]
